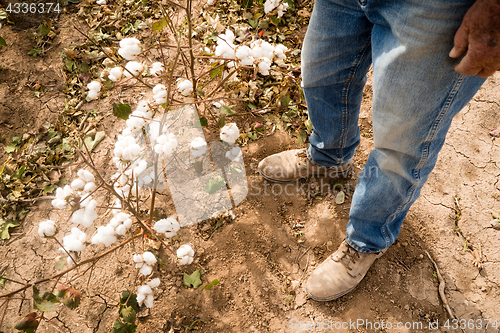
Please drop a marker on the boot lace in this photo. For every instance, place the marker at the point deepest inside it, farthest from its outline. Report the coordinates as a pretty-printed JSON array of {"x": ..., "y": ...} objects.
[{"x": 348, "y": 258}]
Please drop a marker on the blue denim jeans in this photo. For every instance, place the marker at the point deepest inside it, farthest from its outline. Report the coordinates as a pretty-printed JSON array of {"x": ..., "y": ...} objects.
[{"x": 416, "y": 94}]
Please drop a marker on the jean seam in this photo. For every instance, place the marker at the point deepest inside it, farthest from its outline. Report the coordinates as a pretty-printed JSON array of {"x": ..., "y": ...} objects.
[
  {"x": 423, "y": 159},
  {"x": 345, "y": 98}
]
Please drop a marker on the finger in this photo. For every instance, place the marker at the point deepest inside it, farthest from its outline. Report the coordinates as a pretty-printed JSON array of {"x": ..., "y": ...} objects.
[
  {"x": 485, "y": 72},
  {"x": 461, "y": 42},
  {"x": 467, "y": 66}
]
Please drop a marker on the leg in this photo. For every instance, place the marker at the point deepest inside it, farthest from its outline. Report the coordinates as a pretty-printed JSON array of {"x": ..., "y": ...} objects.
[
  {"x": 335, "y": 58},
  {"x": 416, "y": 95}
]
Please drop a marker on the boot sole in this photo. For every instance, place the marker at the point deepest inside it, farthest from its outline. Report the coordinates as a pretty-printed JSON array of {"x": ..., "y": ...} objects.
[{"x": 323, "y": 174}]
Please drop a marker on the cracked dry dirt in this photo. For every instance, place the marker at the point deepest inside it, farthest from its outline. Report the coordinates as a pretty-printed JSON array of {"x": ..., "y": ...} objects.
[{"x": 257, "y": 258}]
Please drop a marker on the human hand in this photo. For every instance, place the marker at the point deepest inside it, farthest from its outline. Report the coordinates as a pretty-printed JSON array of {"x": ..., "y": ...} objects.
[{"x": 478, "y": 37}]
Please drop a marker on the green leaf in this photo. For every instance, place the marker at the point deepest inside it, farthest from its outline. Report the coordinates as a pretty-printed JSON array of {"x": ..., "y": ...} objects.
[
  {"x": 35, "y": 52},
  {"x": 128, "y": 314},
  {"x": 19, "y": 173},
  {"x": 222, "y": 121},
  {"x": 92, "y": 143},
  {"x": 252, "y": 135},
  {"x": 253, "y": 23},
  {"x": 158, "y": 26},
  {"x": 309, "y": 125},
  {"x": 2, "y": 281},
  {"x": 44, "y": 302},
  {"x": 302, "y": 137},
  {"x": 10, "y": 148},
  {"x": 203, "y": 122},
  {"x": 132, "y": 301},
  {"x": 252, "y": 106},
  {"x": 275, "y": 20},
  {"x": 49, "y": 189},
  {"x": 216, "y": 72},
  {"x": 4, "y": 228},
  {"x": 2, "y": 42},
  {"x": 214, "y": 185},
  {"x": 193, "y": 280},
  {"x": 285, "y": 100},
  {"x": 227, "y": 110},
  {"x": 213, "y": 283},
  {"x": 340, "y": 198},
  {"x": 122, "y": 110},
  {"x": 120, "y": 327},
  {"x": 42, "y": 30}
]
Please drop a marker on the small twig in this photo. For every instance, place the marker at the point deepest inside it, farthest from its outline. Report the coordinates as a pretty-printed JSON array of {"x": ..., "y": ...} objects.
[{"x": 442, "y": 285}]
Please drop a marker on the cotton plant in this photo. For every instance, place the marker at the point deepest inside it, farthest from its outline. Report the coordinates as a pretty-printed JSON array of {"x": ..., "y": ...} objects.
[
  {"x": 140, "y": 116},
  {"x": 94, "y": 89},
  {"x": 165, "y": 143},
  {"x": 168, "y": 227},
  {"x": 198, "y": 147},
  {"x": 156, "y": 68},
  {"x": 185, "y": 254},
  {"x": 184, "y": 86},
  {"x": 134, "y": 68},
  {"x": 47, "y": 228},
  {"x": 121, "y": 222},
  {"x": 160, "y": 94},
  {"x": 270, "y": 5},
  {"x": 145, "y": 293},
  {"x": 115, "y": 74},
  {"x": 126, "y": 148},
  {"x": 63, "y": 196},
  {"x": 130, "y": 48},
  {"x": 145, "y": 262},
  {"x": 229, "y": 133},
  {"x": 259, "y": 53}
]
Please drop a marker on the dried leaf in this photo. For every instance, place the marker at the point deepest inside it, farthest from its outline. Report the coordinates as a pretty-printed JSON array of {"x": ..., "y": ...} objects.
[
  {"x": 193, "y": 280},
  {"x": 495, "y": 133}
]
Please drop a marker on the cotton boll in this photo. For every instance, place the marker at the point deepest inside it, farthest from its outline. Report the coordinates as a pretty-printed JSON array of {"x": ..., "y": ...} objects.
[
  {"x": 149, "y": 301},
  {"x": 105, "y": 235},
  {"x": 264, "y": 66},
  {"x": 75, "y": 241},
  {"x": 144, "y": 289},
  {"x": 154, "y": 283},
  {"x": 94, "y": 85},
  {"x": 77, "y": 184},
  {"x": 244, "y": 55},
  {"x": 282, "y": 8},
  {"x": 149, "y": 258},
  {"x": 115, "y": 74},
  {"x": 225, "y": 46},
  {"x": 229, "y": 133},
  {"x": 185, "y": 255},
  {"x": 89, "y": 187},
  {"x": 121, "y": 230},
  {"x": 92, "y": 94},
  {"x": 46, "y": 228},
  {"x": 210, "y": 2},
  {"x": 156, "y": 68},
  {"x": 279, "y": 51},
  {"x": 129, "y": 48},
  {"x": 101, "y": 2},
  {"x": 185, "y": 87},
  {"x": 137, "y": 258},
  {"x": 127, "y": 223},
  {"x": 168, "y": 227},
  {"x": 59, "y": 203},
  {"x": 134, "y": 67},
  {"x": 160, "y": 93},
  {"x": 198, "y": 147},
  {"x": 234, "y": 154},
  {"x": 166, "y": 144},
  {"x": 146, "y": 270}
]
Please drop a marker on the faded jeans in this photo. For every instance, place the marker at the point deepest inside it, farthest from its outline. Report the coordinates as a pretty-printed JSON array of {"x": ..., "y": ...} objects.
[{"x": 416, "y": 94}]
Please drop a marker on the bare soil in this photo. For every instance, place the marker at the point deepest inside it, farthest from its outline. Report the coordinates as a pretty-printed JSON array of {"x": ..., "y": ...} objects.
[{"x": 258, "y": 258}]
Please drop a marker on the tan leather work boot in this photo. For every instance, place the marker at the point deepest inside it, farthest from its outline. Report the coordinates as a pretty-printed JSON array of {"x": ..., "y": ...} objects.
[
  {"x": 293, "y": 164},
  {"x": 340, "y": 273}
]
